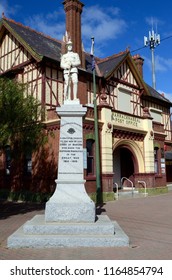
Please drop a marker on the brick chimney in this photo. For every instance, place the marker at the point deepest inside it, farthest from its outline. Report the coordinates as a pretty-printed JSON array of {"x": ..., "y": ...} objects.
[
  {"x": 73, "y": 10},
  {"x": 139, "y": 63}
]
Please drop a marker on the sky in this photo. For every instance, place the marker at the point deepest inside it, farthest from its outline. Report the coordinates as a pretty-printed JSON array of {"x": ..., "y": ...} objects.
[{"x": 116, "y": 25}]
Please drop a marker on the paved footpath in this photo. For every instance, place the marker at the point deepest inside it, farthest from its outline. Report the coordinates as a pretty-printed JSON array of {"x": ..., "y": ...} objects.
[{"x": 147, "y": 222}]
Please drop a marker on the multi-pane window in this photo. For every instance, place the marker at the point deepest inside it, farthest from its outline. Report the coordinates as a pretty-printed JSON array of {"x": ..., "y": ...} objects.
[
  {"x": 156, "y": 160},
  {"x": 27, "y": 166},
  {"x": 124, "y": 101},
  {"x": 90, "y": 156}
]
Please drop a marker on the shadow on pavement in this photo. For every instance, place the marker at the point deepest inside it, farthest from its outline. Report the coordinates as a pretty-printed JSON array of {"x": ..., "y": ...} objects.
[{"x": 9, "y": 208}]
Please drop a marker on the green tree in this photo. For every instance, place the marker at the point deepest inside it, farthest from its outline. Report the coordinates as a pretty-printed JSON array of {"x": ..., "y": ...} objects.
[{"x": 21, "y": 116}]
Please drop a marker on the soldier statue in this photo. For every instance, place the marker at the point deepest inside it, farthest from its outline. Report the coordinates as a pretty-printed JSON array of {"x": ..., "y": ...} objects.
[{"x": 69, "y": 62}]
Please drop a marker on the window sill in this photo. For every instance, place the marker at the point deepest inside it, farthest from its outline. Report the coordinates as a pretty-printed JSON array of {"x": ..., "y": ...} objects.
[
  {"x": 158, "y": 176},
  {"x": 90, "y": 178}
]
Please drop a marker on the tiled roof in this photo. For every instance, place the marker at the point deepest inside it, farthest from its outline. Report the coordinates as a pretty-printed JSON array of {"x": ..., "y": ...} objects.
[
  {"x": 105, "y": 65},
  {"x": 108, "y": 64},
  {"x": 156, "y": 94},
  {"x": 40, "y": 43},
  {"x": 88, "y": 63}
]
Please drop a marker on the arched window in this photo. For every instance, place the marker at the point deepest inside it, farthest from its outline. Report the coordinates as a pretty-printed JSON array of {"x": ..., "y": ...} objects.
[
  {"x": 90, "y": 156},
  {"x": 156, "y": 161}
]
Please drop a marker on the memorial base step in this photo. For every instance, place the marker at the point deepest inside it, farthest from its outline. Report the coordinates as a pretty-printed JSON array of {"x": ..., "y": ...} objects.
[{"x": 38, "y": 234}]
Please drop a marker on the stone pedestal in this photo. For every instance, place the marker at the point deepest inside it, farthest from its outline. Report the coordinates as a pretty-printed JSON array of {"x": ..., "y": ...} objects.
[
  {"x": 36, "y": 233},
  {"x": 70, "y": 202},
  {"x": 69, "y": 219}
]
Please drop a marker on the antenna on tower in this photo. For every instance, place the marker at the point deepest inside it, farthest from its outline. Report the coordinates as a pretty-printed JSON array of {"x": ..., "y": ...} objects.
[{"x": 152, "y": 41}]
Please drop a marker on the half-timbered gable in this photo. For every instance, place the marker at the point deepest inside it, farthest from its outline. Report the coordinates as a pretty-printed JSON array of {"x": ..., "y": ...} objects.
[
  {"x": 12, "y": 53},
  {"x": 53, "y": 86},
  {"x": 124, "y": 86},
  {"x": 30, "y": 57},
  {"x": 127, "y": 92}
]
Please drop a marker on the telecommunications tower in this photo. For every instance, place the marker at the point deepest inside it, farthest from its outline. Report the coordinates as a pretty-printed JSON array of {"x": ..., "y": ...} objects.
[{"x": 152, "y": 41}]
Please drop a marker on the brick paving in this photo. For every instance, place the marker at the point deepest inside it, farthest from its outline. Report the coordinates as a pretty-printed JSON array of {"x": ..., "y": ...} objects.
[{"x": 147, "y": 222}]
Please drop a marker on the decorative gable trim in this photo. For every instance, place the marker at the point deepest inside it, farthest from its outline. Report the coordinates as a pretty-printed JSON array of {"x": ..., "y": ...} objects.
[{"x": 35, "y": 55}]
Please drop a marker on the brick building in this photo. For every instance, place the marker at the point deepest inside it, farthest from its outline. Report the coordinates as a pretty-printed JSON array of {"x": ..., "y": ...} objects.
[{"x": 134, "y": 119}]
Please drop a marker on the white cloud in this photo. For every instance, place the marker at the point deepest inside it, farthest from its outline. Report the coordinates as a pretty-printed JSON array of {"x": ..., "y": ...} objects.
[
  {"x": 154, "y": 23},
  {"x": 103, "y": 24},
  {"x": 8, "y": 9},
  {"x": 168, "y": 62},
  {"x": 49, "y": 24},
  {"x": 166, "y": 95},
  {"x": 3, "y": 7},
  {"x": 161, "y": 64}
]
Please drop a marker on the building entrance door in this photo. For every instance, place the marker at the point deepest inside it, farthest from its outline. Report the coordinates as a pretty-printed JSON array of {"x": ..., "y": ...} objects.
[
  {"x": 123, "y": 164},
  {"x": 127, "y": 165}
]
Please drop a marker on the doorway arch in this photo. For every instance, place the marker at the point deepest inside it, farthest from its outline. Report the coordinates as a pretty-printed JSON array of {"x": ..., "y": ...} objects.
[{"x": 127, "y": 160}]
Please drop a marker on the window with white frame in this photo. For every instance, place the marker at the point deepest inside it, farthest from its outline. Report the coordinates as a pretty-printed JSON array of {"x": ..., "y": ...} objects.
[
  {"x": 124, "y": 101},
  {"x": 90, "y": 156},
  {"x": 156, "y": 114}
]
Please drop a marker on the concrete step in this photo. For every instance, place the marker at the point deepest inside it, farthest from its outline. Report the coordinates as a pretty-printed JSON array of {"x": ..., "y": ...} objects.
[
  {"x": 36, "y": 233},
  {"x": 124, "y": 194},
  {"x": 37, "y": 225},
  {"x": 169, "y": 186}
]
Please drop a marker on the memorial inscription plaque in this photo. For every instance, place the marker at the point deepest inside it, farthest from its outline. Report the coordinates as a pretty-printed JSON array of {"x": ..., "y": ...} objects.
[{"x": 71, "y": 155}]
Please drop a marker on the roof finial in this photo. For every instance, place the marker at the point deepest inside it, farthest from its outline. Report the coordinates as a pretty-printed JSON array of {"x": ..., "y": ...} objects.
[{"x": 3, "y": 14}]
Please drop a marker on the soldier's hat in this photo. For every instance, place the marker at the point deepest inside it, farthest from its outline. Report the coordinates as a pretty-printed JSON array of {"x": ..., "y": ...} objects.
[{"x": 69, "y": 42}]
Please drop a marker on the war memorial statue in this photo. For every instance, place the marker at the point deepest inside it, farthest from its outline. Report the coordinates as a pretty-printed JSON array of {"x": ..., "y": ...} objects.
[{"x": 69, "y": 62}]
